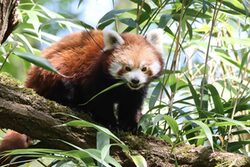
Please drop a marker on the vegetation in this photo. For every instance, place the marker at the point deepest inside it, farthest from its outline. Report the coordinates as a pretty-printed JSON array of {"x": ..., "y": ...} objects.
[{"x": 203, "y": 95}]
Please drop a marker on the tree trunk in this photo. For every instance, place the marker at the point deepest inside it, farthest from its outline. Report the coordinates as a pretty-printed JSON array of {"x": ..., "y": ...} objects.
[
  {"x": 21, "y": 109},
  {"x": 8, "y": 18}
]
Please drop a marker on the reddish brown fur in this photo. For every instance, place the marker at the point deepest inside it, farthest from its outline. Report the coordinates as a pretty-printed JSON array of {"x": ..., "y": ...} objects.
[
  {"x": 81, "y": 57},
  {"x": 12, "y": 140},
  {"x": 77, "y": 54},
  {"x": 67, "y": 56}
]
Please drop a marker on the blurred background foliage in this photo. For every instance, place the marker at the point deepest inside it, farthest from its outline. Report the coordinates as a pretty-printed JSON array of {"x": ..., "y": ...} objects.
[{"x": 203, "y": 96}]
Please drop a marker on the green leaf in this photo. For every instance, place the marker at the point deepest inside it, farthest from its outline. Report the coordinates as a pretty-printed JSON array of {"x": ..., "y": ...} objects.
[
  {"x": 39, "y": 61},
  {"x": 50, "y": 13},
  {"x": 190, "y": 30},
  {"x": 103, "y": 144},
  {"x": 235, "y": 5},
  {"x": 145, "y": 6},
  {"x": 155, "y": 95},
  {"x": 103, "y": 91},
  {"x": 139, "y": 160},
  {"x": 96, "y": 154},
  {"x": 205, "y": 95},
  {"x": 206, "y": 131},
  {"x": 243, "y": 61},
  {"x": 157, "y": 2},
  {"x": 167, "y": 139},
  {"x": 172, "y": 123},
  {"x": 84, "y": 123},
  {"x": 101, "y": 26},
  {"x": 79, "y": 3},
  {"x": 68, "y": 22},
  {"x": 157, "y": 118},
  {"x": 194, "y": 95},
  {"x": 168, "y": 30},
  {"x": 164, "y": 19},
  {"x": 111, "y": 15},
  {"x": 246, "y": 4},
  {"x": 25, "y": 42},
  {"x": 216, "y": 99},
  {"x": 129, "y": 22},
  {"x": 105, "y": 151},
  {"x": 235, "y": 122},
  {"x": 33, "y": 19},
  {"x": 235, "y": 146}
]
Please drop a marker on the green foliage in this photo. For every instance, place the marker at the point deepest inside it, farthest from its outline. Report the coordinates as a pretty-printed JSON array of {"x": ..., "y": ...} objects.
[{"x": 203, "y": 95}]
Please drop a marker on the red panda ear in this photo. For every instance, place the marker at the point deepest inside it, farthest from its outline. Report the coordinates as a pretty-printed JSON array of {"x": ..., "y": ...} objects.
[
  {"x": 111, "y": 40},
  {"x": 154, "y": 37}
]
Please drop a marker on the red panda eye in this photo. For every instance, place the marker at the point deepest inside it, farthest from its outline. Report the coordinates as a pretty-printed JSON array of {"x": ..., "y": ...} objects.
[
  {"x": 127, "y": 68},
  {"x": 144, "y": 69}
]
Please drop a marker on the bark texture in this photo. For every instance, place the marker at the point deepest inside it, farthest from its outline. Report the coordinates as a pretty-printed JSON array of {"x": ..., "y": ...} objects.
[
  {"x": 21, "y": 109},
  {"x": 8, "y": 18}
]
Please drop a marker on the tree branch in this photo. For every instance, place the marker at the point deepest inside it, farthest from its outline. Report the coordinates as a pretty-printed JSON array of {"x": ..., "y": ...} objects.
[{"x": 21, "y": 109}]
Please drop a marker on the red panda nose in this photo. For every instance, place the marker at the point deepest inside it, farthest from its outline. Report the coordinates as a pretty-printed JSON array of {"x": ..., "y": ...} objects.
[{"x": 135, "y": 81}]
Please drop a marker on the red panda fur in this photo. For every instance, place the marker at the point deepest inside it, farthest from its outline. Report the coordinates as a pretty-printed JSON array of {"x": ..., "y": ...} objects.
[
  {"x": 12, "y": 140},
  {"x": 94, "y": 63}
]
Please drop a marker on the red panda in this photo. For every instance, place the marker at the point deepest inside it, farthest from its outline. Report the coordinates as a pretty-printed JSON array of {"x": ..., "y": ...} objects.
[
  {"x": 96, "y": 60},
  {"x": 12, "y": 140}
]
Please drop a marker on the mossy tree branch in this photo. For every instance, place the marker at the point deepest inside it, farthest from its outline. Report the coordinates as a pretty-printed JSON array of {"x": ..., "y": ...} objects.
[{"x": 21, "y": 109}]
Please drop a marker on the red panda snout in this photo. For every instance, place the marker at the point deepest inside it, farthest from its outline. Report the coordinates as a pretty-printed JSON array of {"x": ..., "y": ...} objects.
[{"x": 135, "y": 79}]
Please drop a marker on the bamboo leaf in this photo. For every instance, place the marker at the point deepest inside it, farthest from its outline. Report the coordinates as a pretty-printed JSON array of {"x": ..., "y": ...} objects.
[
  {"x": 39, "y": 61},
  {"x": 173, "y": 124},
  {"x": 139, "y": 160},
  {"x": 103, "y": 91},
  {"x": 111, "y": 15},
  {"x": 206, "y": 131},
  {"x": 216, "y": 99}
]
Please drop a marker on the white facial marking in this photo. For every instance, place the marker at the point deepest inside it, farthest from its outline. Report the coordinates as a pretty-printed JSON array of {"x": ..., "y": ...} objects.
[
  {"x": 114, "y": 68},
  {"x": 155, "y": 68}
]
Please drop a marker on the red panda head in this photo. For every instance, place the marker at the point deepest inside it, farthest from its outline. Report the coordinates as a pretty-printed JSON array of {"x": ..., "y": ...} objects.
[{"x": 134, "y": 59}]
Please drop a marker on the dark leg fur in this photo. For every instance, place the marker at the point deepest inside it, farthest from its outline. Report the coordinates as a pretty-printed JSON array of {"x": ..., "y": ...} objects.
[
  {"x": 105, "y": 116},
  {"x": 102, "y": 111},
  {"x": 129, "y": 109}
]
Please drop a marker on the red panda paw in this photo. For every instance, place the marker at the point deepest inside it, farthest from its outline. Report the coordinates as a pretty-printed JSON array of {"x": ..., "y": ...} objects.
[{"x": 14, "y": 140}]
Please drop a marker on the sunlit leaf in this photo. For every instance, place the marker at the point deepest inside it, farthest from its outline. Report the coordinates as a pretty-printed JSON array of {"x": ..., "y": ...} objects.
[
  {"x": 206, "y": 131},
  {"x": 39, "y": 61},
  {"x": 139, "y": 160},
  {"x": 172, "y": 123}
]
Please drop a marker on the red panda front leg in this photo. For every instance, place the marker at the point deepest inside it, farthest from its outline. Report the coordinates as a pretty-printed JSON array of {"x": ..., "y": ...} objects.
[
  {"x": 129, "y": 111},
  {"x": 128, "y": 116},
  {"x": 103, "y": 113}
]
